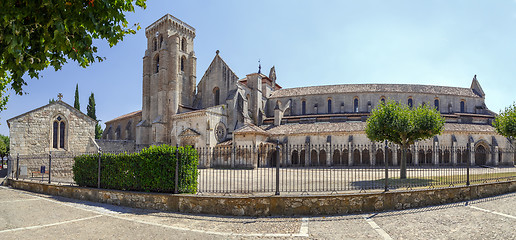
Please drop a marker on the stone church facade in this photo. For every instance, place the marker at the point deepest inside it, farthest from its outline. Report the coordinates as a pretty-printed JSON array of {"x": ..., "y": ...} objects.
[{"x": 224, "y": 109}]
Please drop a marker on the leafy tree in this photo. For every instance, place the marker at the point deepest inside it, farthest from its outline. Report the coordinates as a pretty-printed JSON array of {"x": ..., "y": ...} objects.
[
  {"x": 505, "y": 123},
  {"x": 4, "y": 146},
  {"x": 37, "y": 34},
  {"x": 90, "y": 109},
  {"x": 76, "y": 103},
  {"x": 400, "y": 124}
]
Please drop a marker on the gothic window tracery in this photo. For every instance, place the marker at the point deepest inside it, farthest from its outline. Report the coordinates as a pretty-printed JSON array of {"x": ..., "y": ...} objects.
[{"x": 58, "y": 133}]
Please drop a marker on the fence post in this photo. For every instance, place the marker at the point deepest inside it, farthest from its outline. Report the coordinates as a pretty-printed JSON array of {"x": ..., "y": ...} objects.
[
  {"x": 98, "y": 170},
  {"x": 17, "y": 165},
  {"x": 469, "y": 163},
  {"x": 176, "y": 180},
  {"x": 278, "y": 160},
  {"x": 49, "y": 166},
  {"x": 386, "y": 161}
]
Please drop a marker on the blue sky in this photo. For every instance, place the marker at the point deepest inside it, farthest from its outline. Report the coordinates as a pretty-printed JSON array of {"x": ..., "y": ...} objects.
[{"x": 310, "y": 43}]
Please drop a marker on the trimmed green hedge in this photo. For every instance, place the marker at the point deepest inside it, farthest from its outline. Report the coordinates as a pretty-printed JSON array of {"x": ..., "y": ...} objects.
[{"x": 151, "y": 170}]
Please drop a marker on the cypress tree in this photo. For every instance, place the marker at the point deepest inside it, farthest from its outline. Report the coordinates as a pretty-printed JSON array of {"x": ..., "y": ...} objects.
[
  {"x": 90, "y": 109},
  {"x": 76, "y": 103}
]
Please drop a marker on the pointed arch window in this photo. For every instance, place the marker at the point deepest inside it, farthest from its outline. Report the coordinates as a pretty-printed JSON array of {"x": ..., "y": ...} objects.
[
  {"x": 182, "y": 63},
  {"x": 410, "y": 103},
  {"x": 436, "y": 104},
  {"x": 462, "y": 106},
  {"x": 303, "y": 107},
  {"x": 355, "y": 104},
  {"x": 183, "y": 45},
  {"x": 58, "y": 133},
  {"x": 216, "y": 95},
  {"x": 329, "y": 106},
  {"x": 382, "y": 99}
]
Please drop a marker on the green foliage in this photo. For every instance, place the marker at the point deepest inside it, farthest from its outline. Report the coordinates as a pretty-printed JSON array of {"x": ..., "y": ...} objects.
[
  {"x": 505, "y": 123},
  {"x": 4, "y": 146},
  {"x": 151, "y": 170},
  {"x": 90, "y": 109},
  {"x": 76, "y": 103},
  {"x": 51, "y": 100},
  {"x": 403, "y": 125},
  {"x": 98, "y": 131},
  {"x": 38, "y": 34}
]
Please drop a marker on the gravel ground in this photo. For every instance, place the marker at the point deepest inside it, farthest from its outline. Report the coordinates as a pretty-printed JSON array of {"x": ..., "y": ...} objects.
[{"x": 29, "y": 215}]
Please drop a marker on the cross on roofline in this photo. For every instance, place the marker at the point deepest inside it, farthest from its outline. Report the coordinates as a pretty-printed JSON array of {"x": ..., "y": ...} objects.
[{"x": 59, "y": 97}]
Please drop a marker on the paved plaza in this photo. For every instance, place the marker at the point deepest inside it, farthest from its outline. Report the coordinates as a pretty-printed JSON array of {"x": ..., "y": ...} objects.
[{"x": 28, "y": 215}]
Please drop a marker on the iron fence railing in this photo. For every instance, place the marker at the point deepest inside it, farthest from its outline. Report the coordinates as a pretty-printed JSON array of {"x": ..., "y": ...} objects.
[{"x": 328, "y": 168}]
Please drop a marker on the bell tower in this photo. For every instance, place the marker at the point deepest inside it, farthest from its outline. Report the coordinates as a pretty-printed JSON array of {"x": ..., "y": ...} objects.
[{"x": 169, "y": 80}]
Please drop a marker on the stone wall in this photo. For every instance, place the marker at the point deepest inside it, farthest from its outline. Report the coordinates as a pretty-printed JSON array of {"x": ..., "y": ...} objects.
[
  {"x": 275, "y": 205},
  {"x": 31, "y": 133},
  {"x": 117, "y": 145}
]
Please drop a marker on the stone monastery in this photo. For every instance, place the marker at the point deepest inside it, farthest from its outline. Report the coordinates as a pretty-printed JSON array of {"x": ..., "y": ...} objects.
[{"x": 227, "y": 110}]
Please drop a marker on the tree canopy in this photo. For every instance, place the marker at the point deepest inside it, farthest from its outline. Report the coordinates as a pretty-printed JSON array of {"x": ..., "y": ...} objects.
[
  {"x": 4, "y": 146},
  {"x": 403, "y": 125},
  {"x": 36, "y": 34},
  {"x": 505, "y": 122}
]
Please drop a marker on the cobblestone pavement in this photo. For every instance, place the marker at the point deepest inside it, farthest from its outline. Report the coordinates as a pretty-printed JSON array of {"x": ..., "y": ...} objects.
[{"x": 29, "y": 216}]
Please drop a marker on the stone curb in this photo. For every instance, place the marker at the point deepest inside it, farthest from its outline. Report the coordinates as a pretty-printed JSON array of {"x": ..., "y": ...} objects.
[{"x": 274, "y": 205}]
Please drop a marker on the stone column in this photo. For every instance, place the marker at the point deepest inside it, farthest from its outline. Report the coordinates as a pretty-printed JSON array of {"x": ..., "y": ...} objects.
[
  {"x": 328, "y": 155},
  {"x": 254, "y": 158},
  {"x": 472, "y": 154},
  {"x": 453, "y": 154},
  {"x": 496, "y": 156},
  {"x": 371, "y": 160},
  {"x": 307, "y": 155},
  {"x": 416, "y": 154},
  {"x": 350, "y": 154}
]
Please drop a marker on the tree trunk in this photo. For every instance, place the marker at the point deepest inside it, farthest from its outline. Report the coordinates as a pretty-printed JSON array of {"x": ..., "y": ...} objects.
[{"x": 403, "y": 163}]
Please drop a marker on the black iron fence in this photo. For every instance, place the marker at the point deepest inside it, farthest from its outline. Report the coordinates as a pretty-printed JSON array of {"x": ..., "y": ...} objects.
[{"x": 328, "y": 168}]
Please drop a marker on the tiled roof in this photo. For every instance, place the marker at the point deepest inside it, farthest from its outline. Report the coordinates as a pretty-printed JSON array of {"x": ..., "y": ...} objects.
[
  {"x": 250, "y": 128},
  {"x": 460, "y": 127},
  {"x": 346, "y": 127},
  {"x": 373, "y": 88},
  {"x": 135, "y": 113}
]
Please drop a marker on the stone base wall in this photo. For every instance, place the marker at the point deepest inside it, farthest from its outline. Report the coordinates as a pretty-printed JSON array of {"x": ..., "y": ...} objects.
[{"x": 275, "y": 205}]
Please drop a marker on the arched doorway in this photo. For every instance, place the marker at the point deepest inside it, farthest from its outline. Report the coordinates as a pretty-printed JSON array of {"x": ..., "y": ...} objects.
[
  {"x": 313, "y": 158},
  {"x": 379, "y": 157},
  {"x": 356, "y": 157},
  {"x": 322, "y": 157},
  {"x": 336, "y": 157},
  {"x": 480, "y": 155},
  {"x": 302, "y": 157},
  {"x": 365, "y": 157},
  {"x": 295, "y": 158},
  {"x": 345, "y": 157}
]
